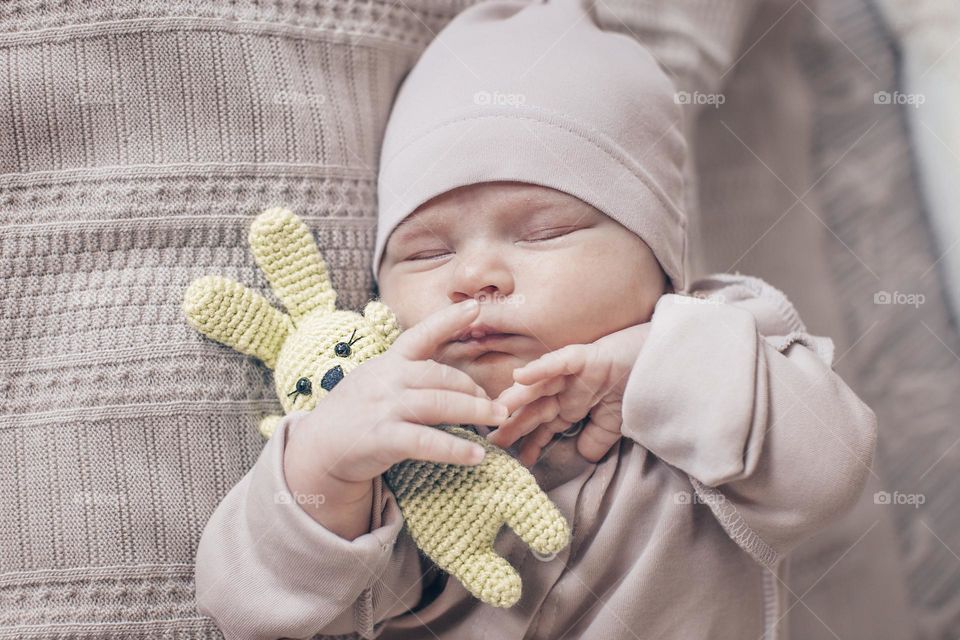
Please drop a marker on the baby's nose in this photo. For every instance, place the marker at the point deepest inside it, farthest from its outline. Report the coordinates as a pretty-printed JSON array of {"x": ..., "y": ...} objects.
[{"x": 331, "y": 378}]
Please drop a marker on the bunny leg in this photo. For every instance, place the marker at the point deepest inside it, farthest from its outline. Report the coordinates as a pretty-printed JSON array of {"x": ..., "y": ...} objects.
[
  {"x": 490, "y": 578},
  {"x": 537, "y": 521},
  {"x": 268, "y": 424}
]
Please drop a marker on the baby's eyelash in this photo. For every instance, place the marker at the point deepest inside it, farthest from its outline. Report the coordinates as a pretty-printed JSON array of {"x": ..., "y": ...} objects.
[
  {"x": 554, "y": 232},
  {"x": 429, "y": 257}
]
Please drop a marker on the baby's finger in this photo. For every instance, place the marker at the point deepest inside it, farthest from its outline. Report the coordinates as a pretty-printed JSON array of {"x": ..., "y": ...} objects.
[
  {"x": 519, "y": 395},
  {"x": 408, "y": 441},
  {"x": 578, "y": 398},
  {"x": 537, "y": 442},
  {"x": 420, "y": 341},
  {"x": 524, "y": 421},
  {"x": 530, "y": 449},
  {"x": 564, "y": 361},
  {"x": 594, "y": 441},
  {"x": 433, "y": 406},
  {"x": 428, "y": 374}
]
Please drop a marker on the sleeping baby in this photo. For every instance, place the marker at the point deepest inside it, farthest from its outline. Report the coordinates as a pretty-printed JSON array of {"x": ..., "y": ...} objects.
[{"x": 531, "y": 241}]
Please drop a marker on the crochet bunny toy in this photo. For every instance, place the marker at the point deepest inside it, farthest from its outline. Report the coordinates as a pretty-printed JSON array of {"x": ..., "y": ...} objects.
[{"x": 452, "y": 512}]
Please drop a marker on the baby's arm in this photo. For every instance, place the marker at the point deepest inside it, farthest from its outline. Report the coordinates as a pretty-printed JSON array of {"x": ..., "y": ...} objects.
[
  {"x": 733, "y": 392},
  {"x": 266, "y": 569},
  {"x": 270, "y": 565}
]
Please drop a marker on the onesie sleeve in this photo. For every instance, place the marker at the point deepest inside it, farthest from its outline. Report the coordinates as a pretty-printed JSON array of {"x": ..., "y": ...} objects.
[
  {"x": 266, "y": 569},
  {"x": 731, "y": 389}
]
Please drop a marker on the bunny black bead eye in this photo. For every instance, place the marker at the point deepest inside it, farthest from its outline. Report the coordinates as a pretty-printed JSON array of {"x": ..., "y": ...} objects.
[
  {"x": 342, "y": 349},
  {"x": 303, "y": 387}
]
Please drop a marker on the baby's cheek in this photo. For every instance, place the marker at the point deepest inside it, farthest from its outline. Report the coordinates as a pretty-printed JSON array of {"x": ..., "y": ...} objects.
[
  {"x": 576, "y": 315},
  {"x": 409, "y": 308}
]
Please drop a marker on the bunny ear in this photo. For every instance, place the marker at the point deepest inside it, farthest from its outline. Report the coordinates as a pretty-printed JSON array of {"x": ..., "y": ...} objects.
[
  {"x": 383, "y": 319},
  {"x": 285, "y": 250},
  {"x": 237, "y": 316}
]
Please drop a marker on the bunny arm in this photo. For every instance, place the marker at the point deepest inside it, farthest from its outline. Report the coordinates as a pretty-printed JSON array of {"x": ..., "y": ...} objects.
[
  {"x": 475, "y": 502},
  {"x": 237, "y": 316}
]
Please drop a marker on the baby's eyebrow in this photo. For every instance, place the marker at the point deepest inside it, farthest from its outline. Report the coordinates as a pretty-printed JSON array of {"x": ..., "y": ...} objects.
[
  {"x": 412, "y": 227},
  {"x": 534, "y": 205},
  {"x": 547, "y": 210},
  {"x": 535, "y": 208},
  {"x": 539, "y": 211}
]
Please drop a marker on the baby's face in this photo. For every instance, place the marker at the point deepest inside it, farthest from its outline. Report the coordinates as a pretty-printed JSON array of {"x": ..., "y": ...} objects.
[{"x": 549, "y": 270}]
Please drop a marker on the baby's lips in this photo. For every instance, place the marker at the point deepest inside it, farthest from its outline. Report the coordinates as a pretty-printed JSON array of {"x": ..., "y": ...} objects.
[{"x": 478, "y": 330}]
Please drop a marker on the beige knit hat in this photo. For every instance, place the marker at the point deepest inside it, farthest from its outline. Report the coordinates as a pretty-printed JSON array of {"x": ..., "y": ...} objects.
[{"x": 538, "y": 93}]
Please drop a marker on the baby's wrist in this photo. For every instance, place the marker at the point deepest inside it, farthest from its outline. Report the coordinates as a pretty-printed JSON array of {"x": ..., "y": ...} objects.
[{"x": 341, "y": 506}]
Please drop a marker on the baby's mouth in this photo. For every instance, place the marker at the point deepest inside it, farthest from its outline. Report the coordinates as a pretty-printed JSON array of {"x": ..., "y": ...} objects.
[
  {"x": 484, "y": 349},
  {"x": 485, "y": 339},
  {"x": 480, "y": 333}
]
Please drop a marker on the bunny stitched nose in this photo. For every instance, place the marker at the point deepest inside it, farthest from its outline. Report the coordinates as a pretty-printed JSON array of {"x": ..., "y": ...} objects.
[{"x": 331, "y": 378}]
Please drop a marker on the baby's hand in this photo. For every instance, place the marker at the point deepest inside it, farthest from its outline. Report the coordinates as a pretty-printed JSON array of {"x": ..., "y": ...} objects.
[
  {"x": 381, "y": 414},
  {"x": 561, "y": 387}
]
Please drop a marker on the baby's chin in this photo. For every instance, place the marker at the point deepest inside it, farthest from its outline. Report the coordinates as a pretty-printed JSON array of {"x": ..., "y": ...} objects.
[{"x": 493, "y": 370}]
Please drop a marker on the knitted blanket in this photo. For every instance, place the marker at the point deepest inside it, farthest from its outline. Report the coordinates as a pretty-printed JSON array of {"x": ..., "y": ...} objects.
[{"x": 139, "y": 139}]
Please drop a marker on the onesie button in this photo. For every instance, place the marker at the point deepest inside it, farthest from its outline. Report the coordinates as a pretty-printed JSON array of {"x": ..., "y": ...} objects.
[{"x": 575, "y": 428}]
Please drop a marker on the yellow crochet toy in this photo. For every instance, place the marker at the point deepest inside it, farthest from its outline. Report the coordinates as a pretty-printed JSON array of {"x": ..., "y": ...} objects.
[{"x": 452, "y": 512}]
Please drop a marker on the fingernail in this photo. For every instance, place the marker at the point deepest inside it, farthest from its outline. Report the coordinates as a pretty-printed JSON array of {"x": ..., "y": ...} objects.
[
  {"x": 477, "y": 453},
  {"x": 502, "y": 411},
  {"x": 470, "y": 303}
]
